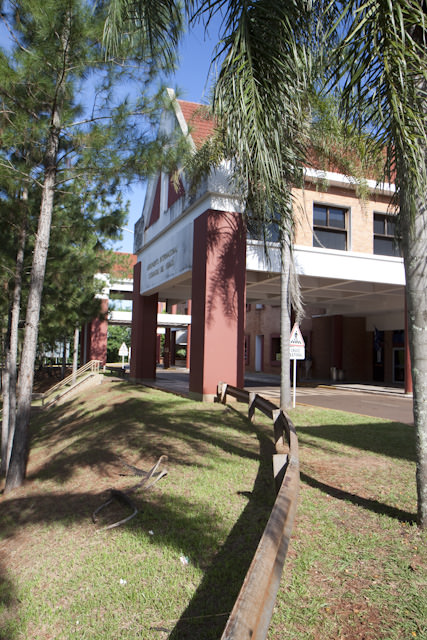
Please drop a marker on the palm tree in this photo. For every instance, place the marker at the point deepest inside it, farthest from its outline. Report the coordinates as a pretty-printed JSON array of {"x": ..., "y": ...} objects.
[
  {"x": 260, "y": 98},
  {"x": 381, "y": 62},
  {"x": 261, "y": 101}
]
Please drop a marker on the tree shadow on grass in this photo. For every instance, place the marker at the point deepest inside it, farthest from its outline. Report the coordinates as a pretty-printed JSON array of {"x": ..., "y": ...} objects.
[
  {"x": 183, "y": 524},
  {"x": 180, "y": 429},
  {"x": 210, "y": 607},
  {"x": 188, "y": 527},
  {"x": 365, "y": 503},
  {"x": 392, "y": 439},
  {"x": 8, "y": 605}
]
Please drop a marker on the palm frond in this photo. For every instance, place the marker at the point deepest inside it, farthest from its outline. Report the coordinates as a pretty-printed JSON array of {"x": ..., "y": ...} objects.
[
  {"x": 152, "y": 28},
  {"x": 382, "y": 65},
  {"x": 260, "y": 99}
]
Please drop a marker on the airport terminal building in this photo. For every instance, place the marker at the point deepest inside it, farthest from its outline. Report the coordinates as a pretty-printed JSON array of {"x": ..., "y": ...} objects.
[{"x": 194, "y": 255}]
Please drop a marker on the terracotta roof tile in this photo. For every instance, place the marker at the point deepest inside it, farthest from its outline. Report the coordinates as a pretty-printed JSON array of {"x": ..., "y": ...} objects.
[{"x": 199, "y": 121}]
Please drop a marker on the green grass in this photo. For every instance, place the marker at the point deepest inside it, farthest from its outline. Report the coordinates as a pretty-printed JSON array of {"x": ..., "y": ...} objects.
[{"x": 356, "y": 564}]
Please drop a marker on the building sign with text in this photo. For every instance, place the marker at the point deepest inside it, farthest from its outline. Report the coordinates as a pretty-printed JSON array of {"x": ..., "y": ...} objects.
[{"x": 170, "y": 257}]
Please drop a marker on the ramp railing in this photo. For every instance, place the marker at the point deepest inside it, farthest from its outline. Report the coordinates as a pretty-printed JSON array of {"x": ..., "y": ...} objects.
[
  {"x": 252, "y": 611},
  {"x": 63, "y": 386}
]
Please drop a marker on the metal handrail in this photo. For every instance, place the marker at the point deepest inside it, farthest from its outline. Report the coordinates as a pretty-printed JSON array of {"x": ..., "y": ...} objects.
[
  {"x": 252, "y": 611},
  {"x": 92, "y": 366}
]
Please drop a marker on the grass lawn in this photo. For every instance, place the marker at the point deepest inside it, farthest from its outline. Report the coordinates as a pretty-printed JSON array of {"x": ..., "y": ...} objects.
[{"x": 356, "y": 567}]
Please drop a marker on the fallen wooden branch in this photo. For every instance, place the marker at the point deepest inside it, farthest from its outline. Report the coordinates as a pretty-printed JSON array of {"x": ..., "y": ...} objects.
[{"x": 123, "y": 497}]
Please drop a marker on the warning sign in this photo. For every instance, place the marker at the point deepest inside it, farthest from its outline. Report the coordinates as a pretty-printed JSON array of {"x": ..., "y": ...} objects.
[
  {"x": 123, "y": 351},
  {"x": 296, "y": 344}
]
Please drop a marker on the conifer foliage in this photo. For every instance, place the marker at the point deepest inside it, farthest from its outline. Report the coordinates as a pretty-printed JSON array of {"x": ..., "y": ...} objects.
[{"x": 68, "y": 141}]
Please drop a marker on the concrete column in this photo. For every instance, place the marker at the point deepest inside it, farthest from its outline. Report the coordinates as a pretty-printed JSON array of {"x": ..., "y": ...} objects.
[
  {"x": 218, "y": 303},
  {"x": 144, "y": 331}
]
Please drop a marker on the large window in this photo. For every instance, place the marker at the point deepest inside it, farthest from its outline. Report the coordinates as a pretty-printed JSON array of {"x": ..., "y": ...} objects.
[
  {"x": 330, "y": 227},
  {"x": 385, "y": 241}
]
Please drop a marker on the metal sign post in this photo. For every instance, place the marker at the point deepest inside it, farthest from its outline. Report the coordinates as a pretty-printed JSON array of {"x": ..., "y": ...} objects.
[{"x": 296, "y": 352}]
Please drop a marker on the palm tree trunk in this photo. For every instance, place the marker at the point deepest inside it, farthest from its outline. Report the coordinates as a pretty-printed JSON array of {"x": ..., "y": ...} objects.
[
  {"x": 285, "y": 323},
  {"x": 414, "y": 243}
]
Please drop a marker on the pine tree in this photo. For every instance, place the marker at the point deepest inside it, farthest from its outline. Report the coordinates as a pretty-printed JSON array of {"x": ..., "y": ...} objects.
[{"x": 55, "y": 64}]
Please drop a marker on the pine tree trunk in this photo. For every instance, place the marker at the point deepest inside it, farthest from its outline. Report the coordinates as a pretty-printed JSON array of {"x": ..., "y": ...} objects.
[
  {"x": 75, "y": 353},
  {"x": 9, "y": 391},
  {"x": 285, "y": 324},
  {"x": 16, "y": 312},
  {"x": 19, "y": 455},
  {"x": 20, "y": 447},
  {"x": 6, "y": 401},
  {"x": 414, "y": 243},
  {"x": 64, "y": 358}
]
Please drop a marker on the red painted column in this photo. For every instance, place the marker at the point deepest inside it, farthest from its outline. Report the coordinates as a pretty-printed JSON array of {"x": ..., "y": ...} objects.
[
  {"x": 144, "y": 331},
  {"x": 97, "y": 335},
  {"x": 337, "y": 328},
  {"x": 337, "y": 344},
  {"x": 167, "y": 349},
  {"x": 408, "y": 373},
  {"x": 83, "y": 344},
  {"x": 158, "y": 349},
  {"x": 173, "y": 348},
  {"x": 189, "y": 312},
  {"x": 218, "y": 303}
]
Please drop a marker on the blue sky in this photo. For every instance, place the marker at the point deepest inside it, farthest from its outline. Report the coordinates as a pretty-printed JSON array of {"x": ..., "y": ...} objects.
[{"x": 193, "y": 78}]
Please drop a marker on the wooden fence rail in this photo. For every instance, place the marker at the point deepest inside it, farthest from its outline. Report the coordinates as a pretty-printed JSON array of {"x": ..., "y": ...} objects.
[{"x": 252, "y": 611}]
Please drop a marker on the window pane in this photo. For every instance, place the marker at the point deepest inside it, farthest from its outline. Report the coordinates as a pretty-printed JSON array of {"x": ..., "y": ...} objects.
[
  {"x": 330, "y": 239},
  {"x": 391, "y": 227},
  {"x": 337, "y": 218},
  {"x": 319, "y": 215},
  {"x": 385, "y": 247},
  {"x": 275, "y": 350},
  {"x": 379, "y": 224}
]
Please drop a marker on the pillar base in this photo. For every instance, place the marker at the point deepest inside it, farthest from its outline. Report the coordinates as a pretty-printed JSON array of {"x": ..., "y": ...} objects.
[{"x": 202, "y": 397}]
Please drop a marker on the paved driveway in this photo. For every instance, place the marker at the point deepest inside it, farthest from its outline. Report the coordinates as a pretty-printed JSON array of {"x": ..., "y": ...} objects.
[
  {"x": 379, "y": 402},
  {"x": 369, "y": 402}
]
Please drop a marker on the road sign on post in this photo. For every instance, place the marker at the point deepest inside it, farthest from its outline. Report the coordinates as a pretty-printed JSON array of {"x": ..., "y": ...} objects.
[
  {"x": 296, "y": 344},
  {"x": 296, "y": 351},
  {"x": 123, "y": 351}
]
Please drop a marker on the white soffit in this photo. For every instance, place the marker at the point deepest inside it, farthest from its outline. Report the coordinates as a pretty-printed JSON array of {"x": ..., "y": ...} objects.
[
  {"x": 328, "y": 263},
  {"x": 341, "y": 180},
  {"x": 362, "y": 267}
]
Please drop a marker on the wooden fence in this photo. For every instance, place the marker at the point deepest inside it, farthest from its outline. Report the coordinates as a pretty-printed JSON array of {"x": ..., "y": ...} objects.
[{"x": 252, "y": 611}]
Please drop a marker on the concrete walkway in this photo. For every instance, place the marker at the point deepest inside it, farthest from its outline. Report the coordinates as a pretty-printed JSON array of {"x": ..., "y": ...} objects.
[{"x": 378, "y": 401}]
